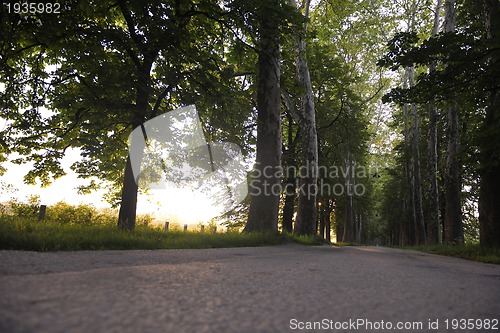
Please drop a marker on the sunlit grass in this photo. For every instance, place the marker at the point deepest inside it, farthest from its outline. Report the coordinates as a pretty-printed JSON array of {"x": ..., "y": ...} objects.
[
  {"x": 347, "y": 244},
  {"x": 468, "y": 251},
  {"x": 28, "y": 234},
  {"x": 304, "y": 239}
]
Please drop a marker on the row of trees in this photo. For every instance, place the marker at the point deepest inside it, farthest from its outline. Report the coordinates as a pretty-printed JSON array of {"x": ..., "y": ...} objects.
[
  {"x": 298, "y": 83},
  {"x": 454, "y": 99}
]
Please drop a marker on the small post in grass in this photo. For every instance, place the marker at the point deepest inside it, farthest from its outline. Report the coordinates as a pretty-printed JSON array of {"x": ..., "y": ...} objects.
[
  {"x": 166, "y": 226},
  {"x": 41, "y": 212},
  {"x": 185, "y": 227},
  {"x": 202, "y": 229}
]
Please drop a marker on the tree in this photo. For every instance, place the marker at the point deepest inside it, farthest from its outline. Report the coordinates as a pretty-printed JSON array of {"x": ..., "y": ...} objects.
[
  {"x": 489, "y": 210},
  {"x": 453, "y": 229},
  {"x": 464, "y": 76},
  {"x": 117, "y": 64},
  {"x": 306, "y": 210},
  {"x": 433, "y": 228},
  {"x": 290, "y": 165},
  {"x": 265, "y": 186}
]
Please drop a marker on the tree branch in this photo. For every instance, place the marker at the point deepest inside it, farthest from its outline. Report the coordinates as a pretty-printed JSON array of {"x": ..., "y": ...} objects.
[{"x": 297, "y": 117}]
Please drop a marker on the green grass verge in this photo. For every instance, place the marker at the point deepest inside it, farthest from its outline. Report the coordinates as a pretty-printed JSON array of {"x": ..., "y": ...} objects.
[
  {"x": 22, "y": 234},
  {"x": 347, "y": 244},
  {"x": 470, "y": 251},
  {"x": 305, "y": 239}
]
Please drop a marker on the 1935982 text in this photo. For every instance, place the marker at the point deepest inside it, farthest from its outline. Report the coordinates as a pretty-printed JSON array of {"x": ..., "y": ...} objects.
[{"x": 26, "y": 7}]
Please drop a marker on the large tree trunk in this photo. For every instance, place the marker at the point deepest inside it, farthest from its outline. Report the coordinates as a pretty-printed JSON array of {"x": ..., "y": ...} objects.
[
  {"x": 453, "y": 232},
  {"x": 433, "y": 229},
  {"x": 306, "y": 210},
  {"x": 489, "y": 209},
  {"x": 265, "y": 188},
  {"x": 128, "y": 206}
]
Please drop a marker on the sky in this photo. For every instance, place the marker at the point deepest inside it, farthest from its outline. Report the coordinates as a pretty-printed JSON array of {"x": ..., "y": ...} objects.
[
  {"x": 176, "y": 205},
  {"x": 62, "y": 189},
  {"x": 182, "y": 206}
]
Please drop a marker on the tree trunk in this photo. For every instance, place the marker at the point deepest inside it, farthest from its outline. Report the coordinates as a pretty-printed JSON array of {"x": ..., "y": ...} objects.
[
  {"x": 290, "y": 182},
  {"x": 289, "y": 206},
  {"x": 328, "y": 214},
  {"x": 433, "y": 229},
  {"x": 409, "y": 167},
  {"x": 265, "y": 188},
  {"x": 417, "y": 181},
  {"x": 453, "y": 211},
  {"x": 306, "y": 210},
  {"x": 322, "y": 219},
  {"x": 453, "y": 219},
  {"x": 348, "y": 235},
  {"x": 128, "y": 206},
  {"x": 489, "y": 209}
]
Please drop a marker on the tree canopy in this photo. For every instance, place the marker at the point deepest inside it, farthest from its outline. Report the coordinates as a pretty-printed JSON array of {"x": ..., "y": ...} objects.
[{"x": 381, "y": 116}]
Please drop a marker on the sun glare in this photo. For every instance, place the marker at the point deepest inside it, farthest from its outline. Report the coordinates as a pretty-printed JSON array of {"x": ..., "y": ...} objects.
[{"x": 178, "y": 205}]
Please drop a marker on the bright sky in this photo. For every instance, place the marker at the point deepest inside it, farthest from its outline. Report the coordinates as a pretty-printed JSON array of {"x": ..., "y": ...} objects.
[
  {"x": 176, "y": 205},
  {"x": 62, "y": 189},
  {"x": 181, "y": 206}
]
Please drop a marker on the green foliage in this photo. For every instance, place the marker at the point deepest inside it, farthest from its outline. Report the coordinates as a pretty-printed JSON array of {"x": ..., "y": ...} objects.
[
  {"x": 63, "y": 213},
  {"x": 451, "y": 67},
  {"x": 24, "y": 234},
  {"x": 82, "y": 227},
  {"x": 29, "y": 234},
  {"x": 346, "y": 244},
  {"x": 116, "y": 67},
  {"x": 27, "y": 209}
]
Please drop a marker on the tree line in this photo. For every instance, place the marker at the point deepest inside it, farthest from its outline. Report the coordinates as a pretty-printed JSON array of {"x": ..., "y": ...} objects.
[{"x": 298, "y": 85}]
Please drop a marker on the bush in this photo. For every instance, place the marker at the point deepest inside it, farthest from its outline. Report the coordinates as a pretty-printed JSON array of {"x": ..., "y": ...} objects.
[
  {"x": 27, "y": 210},
  {"x": 60, "y": 213},
  {"x": 64, "y": 213}
]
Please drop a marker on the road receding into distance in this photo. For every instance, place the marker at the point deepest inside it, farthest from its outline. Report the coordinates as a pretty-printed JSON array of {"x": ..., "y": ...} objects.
[{"x": 287, "y": 288}]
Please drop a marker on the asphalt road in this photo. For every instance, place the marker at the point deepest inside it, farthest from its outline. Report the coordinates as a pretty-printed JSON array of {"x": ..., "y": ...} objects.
[{"x": 268, "y": 289}]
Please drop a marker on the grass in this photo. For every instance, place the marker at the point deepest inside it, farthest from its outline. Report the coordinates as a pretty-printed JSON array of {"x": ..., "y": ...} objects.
[
  {"x": 304, "y": 239},
  {"x": 347, "y": 244},
  {"x": 29, "y": 234},
  {"x": 469, "y": 251}
]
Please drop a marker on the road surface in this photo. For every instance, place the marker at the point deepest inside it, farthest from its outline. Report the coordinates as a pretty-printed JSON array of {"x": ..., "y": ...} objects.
[{"x": 286, "y": 288}]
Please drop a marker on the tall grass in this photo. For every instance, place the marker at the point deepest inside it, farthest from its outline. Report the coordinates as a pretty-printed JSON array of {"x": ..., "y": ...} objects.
[
  {"x": 17, "y": 233},
  {"x": 474, "y": 252}
]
